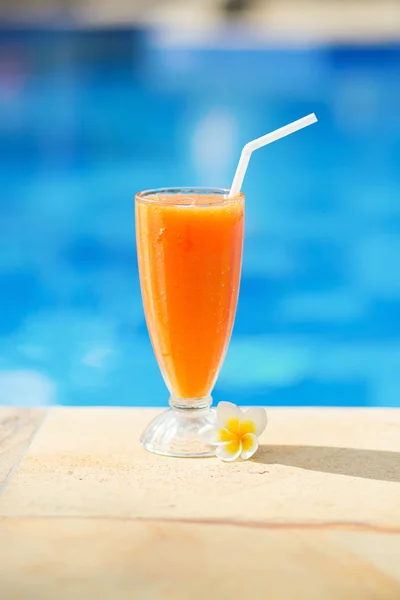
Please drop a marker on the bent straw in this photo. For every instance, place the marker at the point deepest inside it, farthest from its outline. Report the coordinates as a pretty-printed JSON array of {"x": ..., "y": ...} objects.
[{"x": 263, "y": 141}]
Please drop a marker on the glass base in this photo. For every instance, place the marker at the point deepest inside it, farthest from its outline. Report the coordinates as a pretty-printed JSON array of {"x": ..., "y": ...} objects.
[{"x": 176, "y": 432}]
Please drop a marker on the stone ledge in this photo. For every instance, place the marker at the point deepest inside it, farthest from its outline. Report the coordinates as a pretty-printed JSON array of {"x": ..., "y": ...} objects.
[
  {"x": 17, "y": 426},
  {"x": 314, "y": 465},
  {"x": 89, "y": 514},
  {"x": 44, "y": 559}
]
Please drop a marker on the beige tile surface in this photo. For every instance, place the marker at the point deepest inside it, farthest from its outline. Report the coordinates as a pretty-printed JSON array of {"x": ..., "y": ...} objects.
[
  {"x": 65, "y": 559},
  {"x": 89, "y": 514},
  {"x": 17, "y": 426},
  {"x": 381, "y": 549},
  {"x": 287, "y": 20},
  {"x": 317, "y": 465}
]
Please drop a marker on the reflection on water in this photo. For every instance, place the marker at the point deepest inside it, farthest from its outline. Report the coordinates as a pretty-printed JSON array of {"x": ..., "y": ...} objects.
[
  {"x": 26, "y": 388},
  {"x": 88, "y": 119}
]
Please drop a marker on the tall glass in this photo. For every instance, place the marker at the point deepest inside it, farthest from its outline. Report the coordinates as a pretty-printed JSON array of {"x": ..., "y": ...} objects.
[{"x": 189, "y": 244}]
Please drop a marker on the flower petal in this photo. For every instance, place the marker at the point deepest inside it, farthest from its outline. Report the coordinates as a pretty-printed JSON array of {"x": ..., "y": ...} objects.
[
  {"x": 229, "y": 452},
  {"x": 258, "y": 416},
  {"x": 249, "y": 445},
  {"x": 227, "y": 411},
  {"x": 210, "y": 434}
]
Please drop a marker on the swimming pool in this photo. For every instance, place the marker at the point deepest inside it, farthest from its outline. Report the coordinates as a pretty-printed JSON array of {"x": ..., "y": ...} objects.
[{"x": 87, "y": 119}]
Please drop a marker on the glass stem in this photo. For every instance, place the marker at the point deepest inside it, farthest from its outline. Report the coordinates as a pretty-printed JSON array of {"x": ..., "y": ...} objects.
[{"x": 188, "y": 404}]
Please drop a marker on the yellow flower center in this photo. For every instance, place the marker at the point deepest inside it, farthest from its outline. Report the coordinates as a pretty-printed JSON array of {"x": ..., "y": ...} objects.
[{"x": 235, "y": 433}]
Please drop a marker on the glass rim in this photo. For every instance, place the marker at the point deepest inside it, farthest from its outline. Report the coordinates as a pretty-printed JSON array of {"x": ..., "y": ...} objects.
[{"x": 152, "y": 196}]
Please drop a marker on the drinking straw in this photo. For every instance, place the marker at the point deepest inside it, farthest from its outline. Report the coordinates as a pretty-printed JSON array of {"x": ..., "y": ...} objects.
[{"x": 263, "y": 141}]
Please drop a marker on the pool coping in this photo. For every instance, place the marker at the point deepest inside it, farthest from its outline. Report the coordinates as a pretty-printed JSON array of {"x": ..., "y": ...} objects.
[{"x": 321, "y": 497}]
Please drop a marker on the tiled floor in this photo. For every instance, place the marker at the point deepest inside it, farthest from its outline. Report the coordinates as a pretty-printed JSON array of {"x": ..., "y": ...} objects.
[
  {"x": 85, "y": 512},
  {"x": 314, "y": 20},
  {"x": 16, "y": 430}
]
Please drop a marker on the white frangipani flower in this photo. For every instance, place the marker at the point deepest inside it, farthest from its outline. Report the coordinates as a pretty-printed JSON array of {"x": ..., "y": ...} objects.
[{"x": 235, "y": 432}]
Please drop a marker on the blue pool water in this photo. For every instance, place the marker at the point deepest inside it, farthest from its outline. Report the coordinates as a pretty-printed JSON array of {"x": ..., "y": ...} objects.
[{"x": 87, "y": 119}]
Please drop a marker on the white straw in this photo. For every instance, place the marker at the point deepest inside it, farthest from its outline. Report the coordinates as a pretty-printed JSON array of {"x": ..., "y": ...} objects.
[{"x": 263, "y": 141}]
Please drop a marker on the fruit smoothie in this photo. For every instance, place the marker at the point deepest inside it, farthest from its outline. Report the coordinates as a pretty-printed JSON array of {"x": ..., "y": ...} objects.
[{"x": 190, "y": 254}]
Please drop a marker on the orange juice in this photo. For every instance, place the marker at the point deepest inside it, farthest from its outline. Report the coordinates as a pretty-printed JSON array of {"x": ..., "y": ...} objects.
[{"x": 190, "y": 253}]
